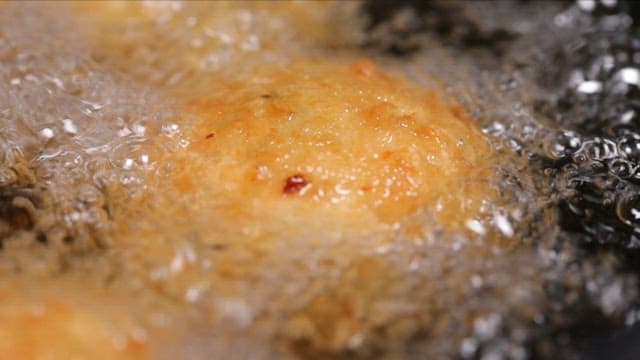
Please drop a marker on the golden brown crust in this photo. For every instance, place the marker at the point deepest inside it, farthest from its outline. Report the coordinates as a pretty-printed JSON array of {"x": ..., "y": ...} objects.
[
  {"x": 357, "y": 141},
  {"x": 313, "y": 155}
]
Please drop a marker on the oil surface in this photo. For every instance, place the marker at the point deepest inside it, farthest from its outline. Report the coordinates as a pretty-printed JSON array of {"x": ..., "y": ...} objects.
[{"x": 110, "y": 113}]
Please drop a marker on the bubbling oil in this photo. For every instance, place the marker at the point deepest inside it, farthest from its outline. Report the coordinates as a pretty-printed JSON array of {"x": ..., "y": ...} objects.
[{"x": 93, "y": 128}]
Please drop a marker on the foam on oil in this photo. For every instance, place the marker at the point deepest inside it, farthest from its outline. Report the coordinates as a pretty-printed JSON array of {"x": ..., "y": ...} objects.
[{"x": 88, "y": 102}]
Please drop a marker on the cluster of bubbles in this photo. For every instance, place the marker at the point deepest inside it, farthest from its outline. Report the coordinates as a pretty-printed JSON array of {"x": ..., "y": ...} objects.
[
  {"x": 594, "y": 156},
  {"x": 69, "y": 130},
  {"x": 581, "y": 80},
  {"x": 558, "y": 85}
]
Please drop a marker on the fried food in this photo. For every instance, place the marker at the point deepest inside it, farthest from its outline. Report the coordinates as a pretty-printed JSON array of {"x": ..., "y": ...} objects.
[
  {"x": 313, "y": 144},
  {"x": 313, "y": 157},
  {"x": 173, "y": 41},
  {"x": 55, "y": 324}
]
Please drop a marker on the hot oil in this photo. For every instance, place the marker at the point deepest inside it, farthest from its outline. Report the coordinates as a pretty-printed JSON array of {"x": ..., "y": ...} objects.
[
  {"x": 504, "y": 96},
  {"x": 95, "y": 123},
  {"x": 568, "y": 95},
  {"x": 596, "y": 99}
]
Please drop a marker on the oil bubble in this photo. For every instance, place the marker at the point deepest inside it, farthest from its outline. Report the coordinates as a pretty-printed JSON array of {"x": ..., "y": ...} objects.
[
  {"x": 629, "y": 147},
  {"x": 622, "y": 168},
  {"x": 562, "y": 144},
  {"x": 628, "y": 210},
  {"x": 7, "y": 176},
  {"x": 600, "y": 149}
]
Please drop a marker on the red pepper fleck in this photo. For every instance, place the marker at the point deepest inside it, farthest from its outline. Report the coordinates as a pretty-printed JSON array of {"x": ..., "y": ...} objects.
[
  {"x": 294, "y": 184},
  {"x": 210, "y": 136}
]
